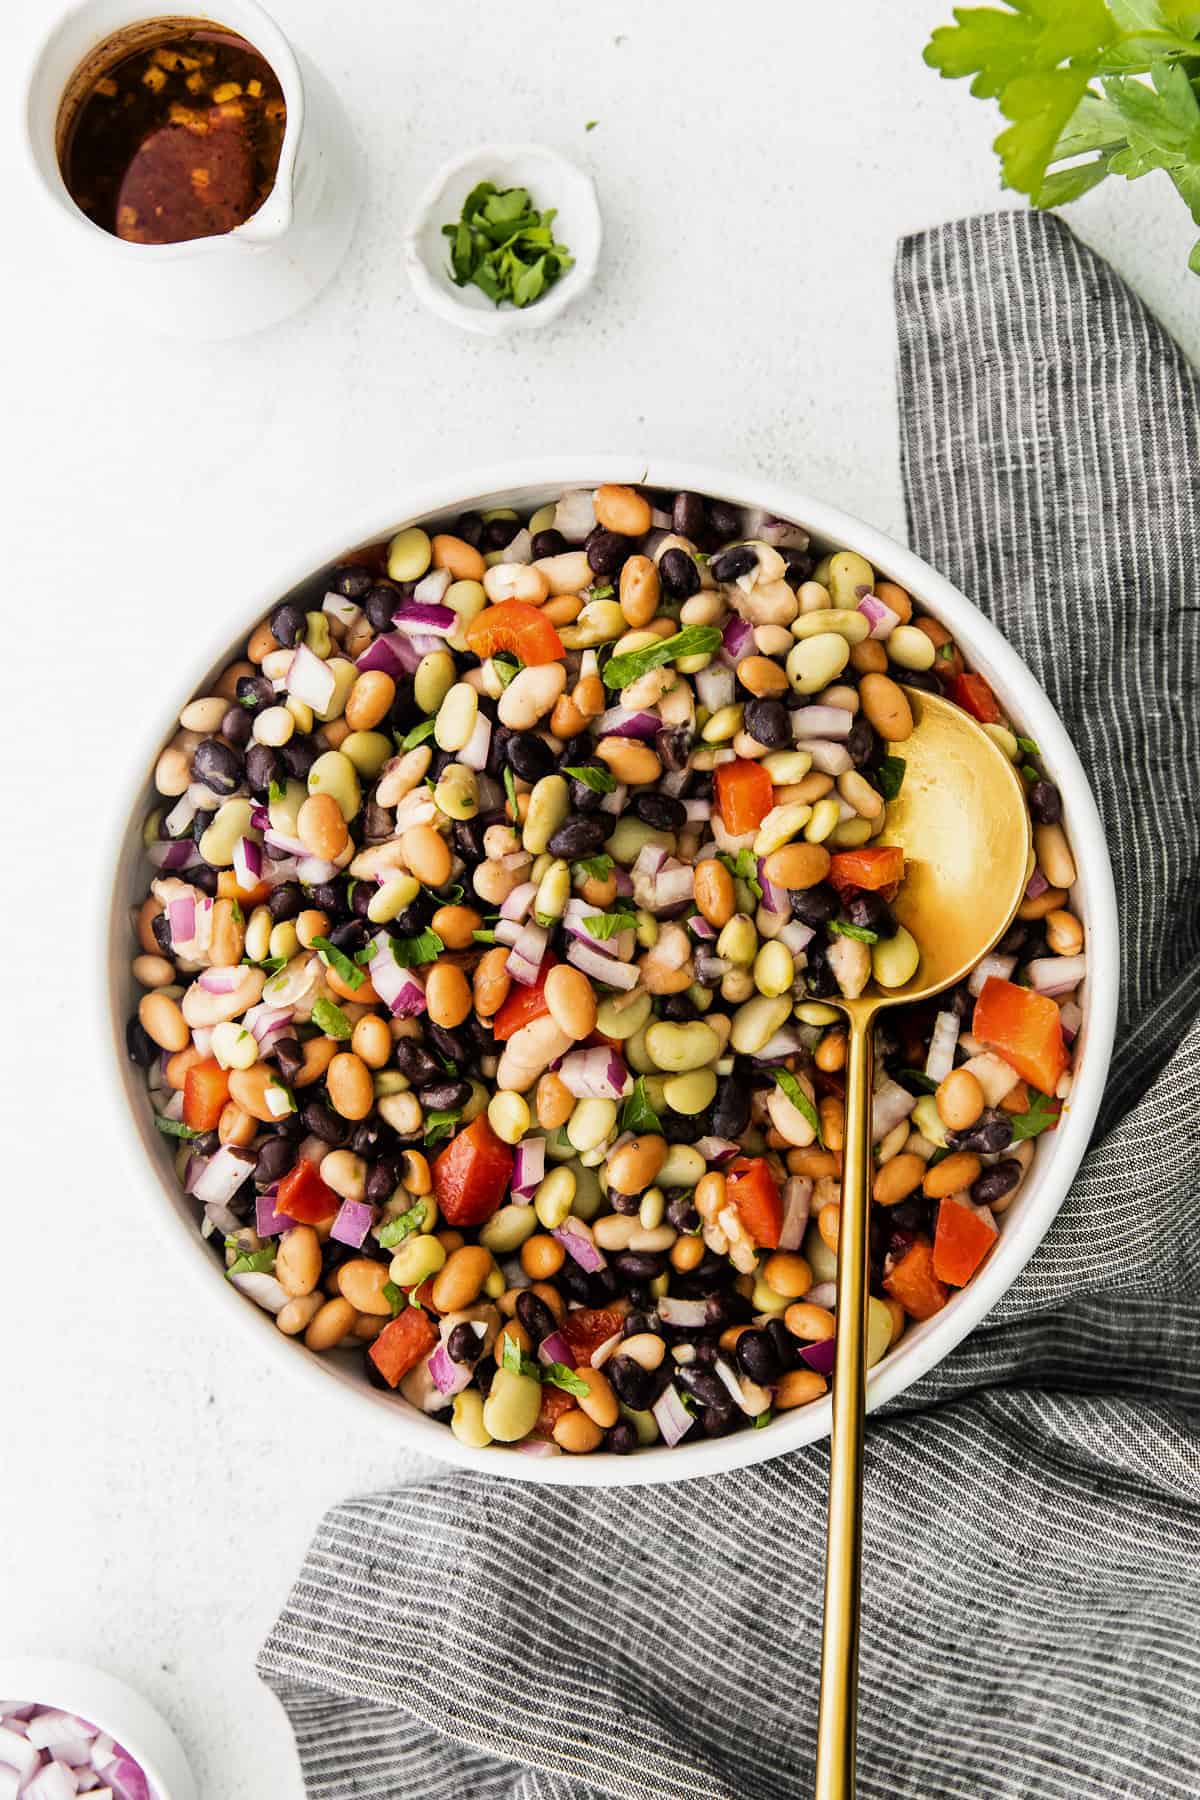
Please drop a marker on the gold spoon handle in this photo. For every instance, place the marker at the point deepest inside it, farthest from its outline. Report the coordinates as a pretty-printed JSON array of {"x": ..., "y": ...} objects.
[{"x": 837, "y": 1721}]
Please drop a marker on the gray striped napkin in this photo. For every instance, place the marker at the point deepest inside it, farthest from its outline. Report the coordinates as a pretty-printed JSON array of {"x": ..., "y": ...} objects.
[{"x": 1032, "y": 1603}]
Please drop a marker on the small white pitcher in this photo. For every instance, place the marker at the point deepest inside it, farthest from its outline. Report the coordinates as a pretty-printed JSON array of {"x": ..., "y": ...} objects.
[{"x": 214, "y": 287}]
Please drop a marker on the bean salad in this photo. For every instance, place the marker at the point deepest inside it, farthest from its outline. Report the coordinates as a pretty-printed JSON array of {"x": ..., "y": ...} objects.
[{"x": 496, "y": 900}]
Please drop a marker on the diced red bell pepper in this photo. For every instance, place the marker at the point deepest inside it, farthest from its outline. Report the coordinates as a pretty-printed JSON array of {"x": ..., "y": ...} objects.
[
  {"x": 205, "y": 1091},
  {"x": 589, "y": 1327},
  {"x": 744, "y": 795},
  {"x": 964, "y": 1235},
  {"x": 875, "y": 868},
  {"x": 913, "y": 1283},
  {"x": 472, "y": 1174},
  {"x": 515, "y": 625},
  {"x": 973, "y": 694},
  {"x": 305, "y": 1197},
  {"x": 554, "y": 1404},
  {"x": 753, "y": 1191},
  {"x": 523, "y": 1005},
  {"x": 1023, "y": 1027},
  {"x": 400, "y": 1346}
]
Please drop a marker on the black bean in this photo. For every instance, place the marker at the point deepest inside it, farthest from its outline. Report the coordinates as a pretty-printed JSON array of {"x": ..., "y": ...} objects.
[
  {"x": 350, "y": 937},
  {"x": 535, "y": 1315},
  {"x": 681, "y": 1213},
  {"x": 254, "y": 692},
  {"x": 236, "y": 727},
  {"x": 798, "y": 565},
  {"x": 414, "y": 1061},
  {"x": 687, "y": 516},
  {"x": 485, "y": 1374},
  {"x": 819, "y": 979},
  {"x": 637, "y": 1266},
  {"x": 381, "y": 603},
  {"x": 678, "y": 1128},
  {"x": 368, "y": 1135},
  {"x": 445, "y": 1094},
  {"x": 579, "y": 837},
  {"x": 139, "y": 1045},
  {"x": 548, "y": 543},
  {"x": 870, "y": 911},
  {"x": 464, "y": 1343},
  {"x": 200, "y": 824},
  {"x": 715, "y": 1421},
  {"x": 731, "y": 1109},
  {"x": 262, "y": 768},
  {"x": 467, "y": 837},
  {"x": 707, "y": 1387},
  {"x": 160, "y": 925},
  {"x": 530, "y": 756},
  {"x": 275, "y": 1158},
  {"x": 678, "y": 573},
  {"x": 1013, "y": 940},
  {"x": 724, "y": 519},
  {"x": 207, "y": 1144},
  {"x": 707, "y": 1353},
  {"x": 678, "y": 1008},
  {"x": 674, "y": 746},
  {"x": 607, "y": 551},
  {"x": 217, "y": 765},
  {"x": 631, "y": 1383},
  {"x": 1045, "y": 803},
  {"x": 287, "y": 624},
  {"x": 481, "y": 1036},
  {"x": 574, "y": 1282},
  {"x": 360, "y": 894},
  {"x": 582, "y": 799},
  {"x": 920, "y": 679},
  {"x": 382, "y": 1182},
  {"x": 962, "y": 1003},
  {"x": 498, "y": 534},
  {"x": 861, "y": 742},
  {"x": 378, "y": 822},
  {"x": 352, "y": 581},
  {"x": 992, "y": 1131},
  {"x": 662, "y": 811},
  {"x": 815, "y": 905},
  {"x": 997, "y": 1181},
  {"x": 204, "y": 878},
  {"x": 298, "y": 756},
  {"x": 626, "y": 1204},
  {"x": 469, "y": 527},
  {"x": 621, "y": 1438},
  {"x": 783, "y": 1343},
  {"x": 289, "y": 1056},
  {"x": 729, "y": 564},
  {"x": 447, "y": 1043},
  {"x": 319, "y": 1122},
  {"x": 756, "y": 1357},
  {"x": 767, "y": 723}
]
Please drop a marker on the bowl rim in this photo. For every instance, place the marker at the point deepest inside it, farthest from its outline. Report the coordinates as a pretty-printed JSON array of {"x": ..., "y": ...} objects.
[
  {"x": 442, "y": 297},
  {"x": 988, "y": 650},
  {"x": 110, "y": 1703}
]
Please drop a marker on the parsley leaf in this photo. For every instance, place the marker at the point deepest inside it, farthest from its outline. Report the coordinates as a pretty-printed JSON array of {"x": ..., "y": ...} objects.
[
  {"x": 270, "y": 965},
  {"x": 1042, "y": 1114},
  {"x": 637, "y": 1114},
  {"x": 396, "y": 1298},
  {"x": 593, "y": 868},
  {"x": 411, "y": 952},
  {"x": 335, "y": 959},
  {"x": 236, "y": 913},
  {"x": 1028, "y": 746},
  {"x": 606, "y": 925},
  {"x": 800, "y": 1100},
  {"x": 507, "y": 667},
  {"x": 416, "y": 736},
  {"x": 503, "y": 246},
  {"x": 745, "y": 867},
  {"x": 251, "y": 1262},
  {"x": 276, "y": 794},
  {"x": 367, "y": 954},
  {"x": 512, "y": 1360},
  {"x": 559, "y": 1376},
  {"x": 439, "y": 1125},
  {"x": 764, "y": 1418},
  {"x": 510, "y": 788},
  {"x": 693, "y": 640},
  {"x": 889, "y": 776},
  {"x": 600, "y": 781},
  {"x": 175, "y": 1128},
  {"x": 403, "y": 1225},
  {"x": 331, "y": 1019},
  {"x": 591, "y": 125},
  {"x": 862, "y": 933}
]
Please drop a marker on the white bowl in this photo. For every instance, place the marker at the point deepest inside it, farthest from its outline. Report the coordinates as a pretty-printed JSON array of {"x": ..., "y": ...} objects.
[
  {"x": 553, "y": 181},
  {"x": 1058, "y": 1154},
  {"x": 102, "y": 1700}
]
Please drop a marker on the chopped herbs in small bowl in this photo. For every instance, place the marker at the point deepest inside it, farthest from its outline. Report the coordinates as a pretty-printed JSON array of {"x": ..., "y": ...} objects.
[{"x": 505, "y": 238}]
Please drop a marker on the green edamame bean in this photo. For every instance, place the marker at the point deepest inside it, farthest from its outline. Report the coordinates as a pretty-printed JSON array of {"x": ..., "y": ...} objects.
[
  {"x": 636, "y": 1053},
  {"x": 316, "y": 634},
  {"x": 894, "y": 960},
  {"x": 476, "y": 1103},
  {"x": 435, "y": 676},
  {"x": 757, "y": 1021},
  {"x": 774, "y": 969},
  {"x": 511, "y": 1408},
  {"x": 507, "y": 1230},
  {"x": 909, "y": 648},
  {"x": 466, "y": 1420},
  {"x": 682, "y": 1047},
  {"x": 879, "y": 1330},
  {"x": 416, "y": 1259},
  {"x": 621, "y": 1021},
  {"x": 654, "y": 1202},
  {"x": 825, "y": 816},
  {"x": 846, "y": 574},
  {"x": 630, "y": 836},
  {"x": 849, "y": 834},
  {"x": 815, "y": 1012},
  {"x": 284, "y": 811},
  {"x": 599, "y": 623},
  {"x": 691, "y": 1093},
  {"x": 409, "y": 554},
  {"x": 724, "y": 724},
  {"x": 766, "y": 1300},
  {"x": 1000, "y": 734},
  {"x": 368, "y": 751},
  {"x": 787, "y": 766},
  {"x": 683, "y": 1168},
  {"x": 336, "y": 775},
  {"x": 549, "y": 804},
  {"x": 738, "y": 941},
  {"x": 258, "y": 934},
  {"x": 230, "y": 823},
  {"x": 590, "y": 1124},
  {"x": 555, "y": 1193}
]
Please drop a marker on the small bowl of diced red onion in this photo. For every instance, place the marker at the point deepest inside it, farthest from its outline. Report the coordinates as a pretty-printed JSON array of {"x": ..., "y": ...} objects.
[
  {"x": 68, "y": 1730},
  {"x": 477, "y": 953}
]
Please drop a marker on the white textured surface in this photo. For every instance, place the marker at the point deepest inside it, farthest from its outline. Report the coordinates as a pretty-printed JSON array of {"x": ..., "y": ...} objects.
[{"x": 755, "y": 165}]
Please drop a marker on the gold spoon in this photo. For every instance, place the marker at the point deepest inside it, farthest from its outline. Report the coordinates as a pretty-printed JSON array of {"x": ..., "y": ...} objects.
[{"x": 960, "y": 818}]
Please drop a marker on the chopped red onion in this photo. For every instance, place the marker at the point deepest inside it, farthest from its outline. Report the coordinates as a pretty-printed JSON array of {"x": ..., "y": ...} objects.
[
  {"x": 575, "y": 515},
  {"x": 576, "y": 1239},
  {"x": 882, "y": 620},
  {"x": 779, "y": 1046},
  {"x": 18, "y": 1753},
  {"x": 180, "y": 817},
  {"x": 942, "y": 1043},
  {"x": 596, "y": 1074},
  {"x": 555, "y": 1349},
  {"x": 525, "y": 958},
  {"x": 710, "y": 969},
  {"x": 346, "y": 612},
  {"x": 53, "y": 1781},
  {"x": 689, "y": 1315},
  {"x": 476, "y": 750},
  {"x": 413, "y": 620},
  {"x": 618, "y": 721},
  {"x": 173, "y": 1108},
  {"x": 889, "y": 1105},
  {"x": 401, "y": 990},
  {"x": 660, "y": 520},
  {"x": 449, "y": 1377},
  {"x": 538, "y": 1447},
  {"x": 671, "y": 1416},
  {"x": 650, "y": 859},
  {"x": 828, "y": 759},
  {"x": 999, "y": 966},
  {"x": 263, "y": 1289},
  {"x": 737, "y": 639},
  {"x": 823, "y": 1293},
  {"x": 313, "y": 870},
  {"x": 247, "y": 862},
  {"x": 623, "y": 881},
  {"x": 797, "y": 937},
  {"x": 700, "y": 927},
  {"x": 797, "y": 1201},
  {"x": 432, "y": 589},
  {"x": 820, "y": 1356},
  {"x": 602, "y": 1352},
  {"x": 268, "y": 1222},
  {"x": 515, "y": 906},
  {"x": 716, "y": 1149},
  {"x": 310, "y": 679},
  {"x": 1071, "y": 1018},
  {"x": 774, "y": 898},
  {"x": 181, "y": 853},
  {"x": 267, "y": 1023},
  {"x": 181, "y": 917},
  {"x": 673, "y": 781},
  {"x": 355, "y": 1218},
  {"x": 514, "y": 859},
  {"x": 384, "y": 653},
  {"x": 604, "y": 969},
  {"x": 698, "y": 811},
  {"x": 615, "y": 802},
  {"x": 529, "y": 1166},
  {"x": 780, "y": 534},
  {"x": 224, "y": 1173},
  {"x": 1056, "y": 974},
  {"x": 221, "y": 979},
  {"x": 260, "y": 817},
  {"x": 1036, "y": 885},
  {"x": 674, "y": 885},
  {"x": 714, "y": 686},
  {"x": 507, "y": 931},
  {"x": 279, "y": 840},
  {"x": 821, "y": 722},
  {"x": 519, "y": 549}
]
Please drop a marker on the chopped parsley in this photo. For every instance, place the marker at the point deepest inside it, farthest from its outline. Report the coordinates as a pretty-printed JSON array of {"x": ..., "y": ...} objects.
[
  {"x": 637, "y": 1114},
  {"x": 251, "y": 1262},
  {"x": 440, "y": 1124},
  {"x": 606, "y": 925},
  {"x": 764, "y": 1418},
  {"x": 1041, "y": 1116},
  {"x": 397, "y": 1299},
  {"x": 484, "y": 937},
  {"x": 799, "y": 1099},
  {"x": 559, "y": 1376},
  {"x": 276, "y": 795},
  {"x": 416, "y": 736},
  {"x": 175, "y": 1128},
  {"x": 593, "y": 868},
  {"x": 335, "y": 959},
  {"x": 367, "y": 954},
  {"x": 693, "y": 640},
  {"x": 1030, "y": 773},
  {"x": 1029, "y": 746},
  {"x": 510, "y": 788},
  {"x": 411, "y": 952},
  {"x": 507, "y": 667},
  {"x": 403, "y": 1226},
  {"x": 889, "y": 776},
  {"x": 919, "y": 1079},
  {"x": 270, "y": 965},
  {"x": 516, "y": 1364},
  {"x": 600, "y": 781},
  {"x": 744, "y": 866},
  {"x": 504, "y": 246},
  {"x": 862, "y": 933},
  {"x": 236, "y": 913},
  {"x": 331, "y": 1019}
]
